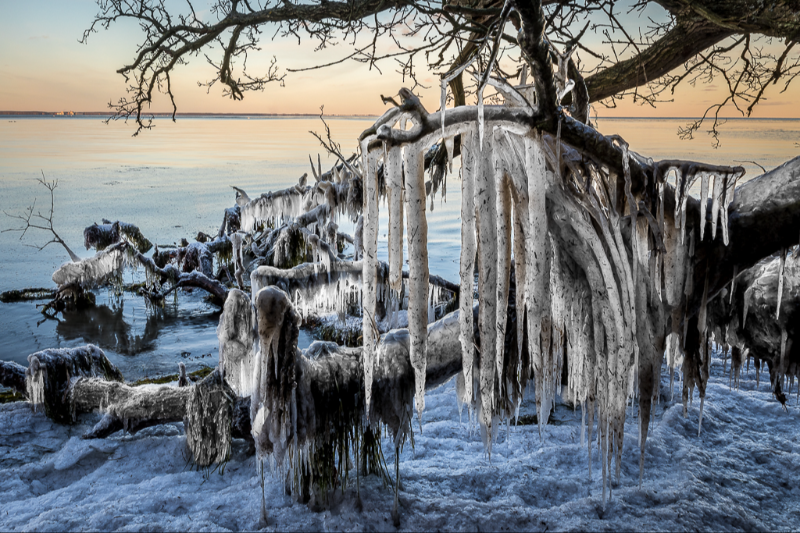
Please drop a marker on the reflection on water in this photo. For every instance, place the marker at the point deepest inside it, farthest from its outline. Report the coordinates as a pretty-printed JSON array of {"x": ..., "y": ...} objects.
[
  {"x": 139, "y": 339},
  {"x": 109, "y": 328}
]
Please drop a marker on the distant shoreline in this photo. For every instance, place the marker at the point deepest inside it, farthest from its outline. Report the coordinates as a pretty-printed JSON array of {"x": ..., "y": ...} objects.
[{"x": 105, "y": 114}]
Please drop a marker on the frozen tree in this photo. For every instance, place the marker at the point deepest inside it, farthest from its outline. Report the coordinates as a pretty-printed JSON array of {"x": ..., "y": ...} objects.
[{"x": 593, "y": 262}]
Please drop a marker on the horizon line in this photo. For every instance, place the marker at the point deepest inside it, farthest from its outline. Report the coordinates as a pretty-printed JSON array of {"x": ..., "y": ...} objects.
[{"x": 65, "y": 114}]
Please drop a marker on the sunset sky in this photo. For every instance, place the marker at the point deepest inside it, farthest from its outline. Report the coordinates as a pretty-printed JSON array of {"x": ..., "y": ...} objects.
[{"x": 44, "y": 68}]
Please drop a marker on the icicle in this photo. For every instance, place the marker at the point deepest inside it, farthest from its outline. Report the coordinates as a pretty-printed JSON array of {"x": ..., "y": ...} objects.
[
  {"x": 730, "y": 190},
  {"x": 719, "y": 189},
  {"x": 443, "y": 103},
  {"x": 369, "y": 327},
  {"x": 678, "y": 196},
  {"x": 747, "y": 295},
  {"x": 537, "y": 267},
  {"x": 781, "y": 268},
  {"x": 480, "y": 117},
  {"x": 503, "y": 232},
  {"x": 733, "y": 283},
  {"x": 703, "y": 202},
  {"x": 468, "y": 250},
  {"x": 413, "y": 162},
  {"x": 583, "y": 422},
  {"x": 486, "y": 216},
  {"x": 521, "y": 231},
  {"x": 394, "y": 182},
  {"x": 449, "y": 144},
  {"x": 784, "y": 337}
]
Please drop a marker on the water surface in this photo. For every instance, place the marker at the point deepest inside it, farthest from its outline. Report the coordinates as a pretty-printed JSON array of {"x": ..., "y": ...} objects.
[{"x": 175, "y": 180}]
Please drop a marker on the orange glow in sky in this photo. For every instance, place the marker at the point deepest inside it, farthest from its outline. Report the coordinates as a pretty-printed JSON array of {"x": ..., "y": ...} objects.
[{"x": 44, "y": 68}]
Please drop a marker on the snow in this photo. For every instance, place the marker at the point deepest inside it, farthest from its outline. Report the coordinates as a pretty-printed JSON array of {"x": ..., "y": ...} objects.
[{"x": 740, "y": 474}]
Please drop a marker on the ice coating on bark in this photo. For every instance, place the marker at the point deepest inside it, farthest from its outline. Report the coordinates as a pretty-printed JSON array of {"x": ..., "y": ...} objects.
[
  {"x": 358, "y": 239},
  {"x": 781, "y": 269},
  {"x": 537, "y": 269},
  {"x": 271, "y": 410},
  {"x": 394, "y": 183},
  {"x": 209, "y": 412},
  {"x": 50, "y": 371},
  {"x": 237, "y": 241},
  {"x": 237, "y": 335},
  {"x": 369, "y": 327},
  {"x": 92, "y": 271},
  {"x": 634, "y": 210},
  {"x": 467, "y": 263},
  {"x": 413, "y": 162},
  {"x": 486, "y": 232}
]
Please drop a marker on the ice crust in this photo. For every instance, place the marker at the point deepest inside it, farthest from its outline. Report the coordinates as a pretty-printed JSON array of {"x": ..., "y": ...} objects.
[{"x": 740, "y": 475}]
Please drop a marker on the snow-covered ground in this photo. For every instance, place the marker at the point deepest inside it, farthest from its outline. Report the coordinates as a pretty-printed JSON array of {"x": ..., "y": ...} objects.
[{"x": 740, "y": 474}]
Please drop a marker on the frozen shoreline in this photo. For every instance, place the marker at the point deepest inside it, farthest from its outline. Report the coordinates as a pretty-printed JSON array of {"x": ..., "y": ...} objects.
[{"x": 740, "y": 474}]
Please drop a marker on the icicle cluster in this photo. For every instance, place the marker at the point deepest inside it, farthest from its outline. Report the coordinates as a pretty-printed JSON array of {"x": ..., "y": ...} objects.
[{"x": 93, "y": 271}]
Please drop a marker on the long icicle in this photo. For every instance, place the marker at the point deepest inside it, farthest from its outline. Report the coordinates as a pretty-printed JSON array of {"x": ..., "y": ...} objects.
[
  {"x": 486, "y": 215},
  {"x": 503, "y": 225},
  {"x": 467, "y": 263},
  {"x": 369, "y": 328},
  {"x": 417, "y": 232},
  {"x": 719, "y": 189},
  {"x": 394, "y": 182},
  {"x": 730, "y": 191},
  {"x": 703, "y": 202},
  {"x": 538, "y": 280}
]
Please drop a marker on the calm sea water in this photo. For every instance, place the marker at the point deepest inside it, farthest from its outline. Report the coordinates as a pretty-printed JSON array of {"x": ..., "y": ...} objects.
[{"x": 175, "y": 180}]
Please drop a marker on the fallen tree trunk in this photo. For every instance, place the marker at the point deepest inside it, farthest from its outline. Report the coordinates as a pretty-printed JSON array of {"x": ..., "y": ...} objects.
[
  {"x": 82, "y": 380},
  {"x": 50, "y": 372},
  {"x": 764, "y": 217},
  {"x": 101, "y": 236},
  {"x": 761, "y": 318},
  {"x": 12, "y": 376}
]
